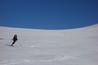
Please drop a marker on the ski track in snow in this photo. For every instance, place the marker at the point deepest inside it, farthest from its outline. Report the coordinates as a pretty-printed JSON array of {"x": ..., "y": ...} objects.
[{"x": 11, "y": 62}]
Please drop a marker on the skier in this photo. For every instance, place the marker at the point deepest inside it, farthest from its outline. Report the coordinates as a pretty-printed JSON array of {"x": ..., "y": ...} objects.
[{"x": 14, "y": 39}]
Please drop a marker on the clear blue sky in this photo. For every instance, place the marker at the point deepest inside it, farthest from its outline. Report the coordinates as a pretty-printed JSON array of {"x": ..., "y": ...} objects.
[{"x": 48, "y": 14}]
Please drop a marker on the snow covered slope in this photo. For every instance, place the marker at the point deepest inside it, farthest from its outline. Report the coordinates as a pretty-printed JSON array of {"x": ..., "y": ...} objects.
[{"x": 49, "y": 47}]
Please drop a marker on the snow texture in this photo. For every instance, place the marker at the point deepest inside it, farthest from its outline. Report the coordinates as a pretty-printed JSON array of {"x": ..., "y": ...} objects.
[{"x": 49, "y": 47}]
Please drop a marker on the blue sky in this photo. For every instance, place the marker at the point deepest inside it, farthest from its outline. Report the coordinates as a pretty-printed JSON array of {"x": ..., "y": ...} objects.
[{"x": 48, "y": 14}]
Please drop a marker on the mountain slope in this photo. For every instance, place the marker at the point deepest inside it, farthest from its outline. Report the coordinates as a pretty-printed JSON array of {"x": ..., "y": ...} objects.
[{"x": 49, "y": 47}]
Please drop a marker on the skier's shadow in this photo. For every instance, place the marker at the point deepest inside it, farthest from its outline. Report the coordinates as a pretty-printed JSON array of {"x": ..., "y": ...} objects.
[{"x": 9, "y": 45}]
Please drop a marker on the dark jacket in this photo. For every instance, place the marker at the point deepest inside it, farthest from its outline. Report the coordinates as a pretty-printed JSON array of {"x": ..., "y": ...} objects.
[{"x": 15, "y": 38}]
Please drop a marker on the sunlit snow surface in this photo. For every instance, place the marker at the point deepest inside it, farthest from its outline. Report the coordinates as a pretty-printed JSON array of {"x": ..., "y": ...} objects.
[{"x": 49, "y": 47}]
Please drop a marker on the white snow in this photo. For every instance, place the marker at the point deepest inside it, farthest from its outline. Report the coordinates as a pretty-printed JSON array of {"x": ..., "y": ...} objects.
[{"x": 49, "y": 47}]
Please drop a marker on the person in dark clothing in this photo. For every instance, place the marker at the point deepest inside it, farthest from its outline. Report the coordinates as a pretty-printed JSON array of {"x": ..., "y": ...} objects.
[{"x": 14, "y": 39}]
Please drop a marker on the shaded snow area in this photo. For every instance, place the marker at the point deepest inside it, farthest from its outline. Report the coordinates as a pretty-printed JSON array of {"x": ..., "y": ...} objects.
[{"x": 49, "y": 47}]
